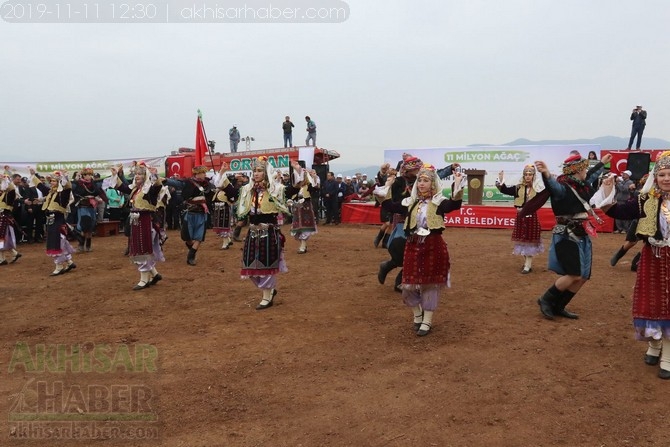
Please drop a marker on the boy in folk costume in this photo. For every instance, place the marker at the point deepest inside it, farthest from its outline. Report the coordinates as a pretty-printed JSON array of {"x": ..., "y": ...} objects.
[
  {"x": 526, "y": 233},
  {"x": 304, "y": 222},
  {"x": 223, "y": 217},
  {"x": 262, "y": 200},
  {"x": 426, "y": 259},
  {"x": 570, "y": 252},
  {"x": 56, "y": 200},
  {"x": 651, "y": 295},
  {"x": 85, "y": 192},
  {"x": 144, "y": 247},
  {"x": 9, "y": 193}
]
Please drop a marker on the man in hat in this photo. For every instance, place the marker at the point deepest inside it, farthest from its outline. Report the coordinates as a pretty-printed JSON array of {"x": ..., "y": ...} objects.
[
  {"x": 570, "y": 252},
  {"x": 86, "y": 194},
  {"x": 197, "y": 193},
  {"x": 639, "y": 119},
  {"x": 234, "y": 136}
]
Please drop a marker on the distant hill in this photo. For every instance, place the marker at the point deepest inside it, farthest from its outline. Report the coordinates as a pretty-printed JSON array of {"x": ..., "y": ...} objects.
[{"x": 608, "y": 142}]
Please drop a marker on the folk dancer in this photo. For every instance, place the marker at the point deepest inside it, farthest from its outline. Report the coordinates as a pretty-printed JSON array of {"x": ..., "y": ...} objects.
[
  {"x": 144, "y": 245},
  {"x": 651, "y": 296},
  {"x": 85, "y": 192},
  {"x": 197, "y": 192},
  {"x": 401, "y": 189},
  {"x": 262, "y": 200},
  {"x": 570, "y": 252},
  {"x": 56, "y": 200},
  {"x": 526, "y": 233},
  {"x": 9, "y": 194},
  {"x": 426, "y": 262},
  {"x": 223, "y": 216},
  {"x": 304, "y": 185}
]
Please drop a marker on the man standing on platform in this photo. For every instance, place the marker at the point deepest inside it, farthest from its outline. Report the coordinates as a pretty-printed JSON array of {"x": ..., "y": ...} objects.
[{"x": 639, "y": 119}]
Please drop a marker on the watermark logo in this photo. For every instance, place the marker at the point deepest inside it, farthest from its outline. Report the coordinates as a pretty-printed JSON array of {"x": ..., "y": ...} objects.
[
  {"x": 175, "y": 11},
  {"x": 89, "y": 391}
]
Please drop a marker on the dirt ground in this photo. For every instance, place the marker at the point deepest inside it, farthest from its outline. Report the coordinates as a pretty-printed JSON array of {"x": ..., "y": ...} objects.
[{"x": 334, "y": 362}]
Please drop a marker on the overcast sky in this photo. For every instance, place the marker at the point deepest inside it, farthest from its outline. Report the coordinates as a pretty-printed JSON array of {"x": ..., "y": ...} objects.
[{"x": 394, "y": 74}]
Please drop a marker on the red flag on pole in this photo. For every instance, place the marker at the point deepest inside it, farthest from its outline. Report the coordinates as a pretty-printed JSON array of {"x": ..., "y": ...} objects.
[{"x": 200, "y": 141}]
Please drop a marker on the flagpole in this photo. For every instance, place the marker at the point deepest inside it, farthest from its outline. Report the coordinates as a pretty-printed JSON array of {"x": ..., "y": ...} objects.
[{"x": 204, "y": 134}]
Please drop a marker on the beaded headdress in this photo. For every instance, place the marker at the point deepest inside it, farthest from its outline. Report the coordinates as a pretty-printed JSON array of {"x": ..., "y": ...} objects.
[
  {"x": 410, "y": 163},
  {"x": 199, "y": 170},
  {"x": 87, "y": 171},
  {"x": 574, "y": 164}
]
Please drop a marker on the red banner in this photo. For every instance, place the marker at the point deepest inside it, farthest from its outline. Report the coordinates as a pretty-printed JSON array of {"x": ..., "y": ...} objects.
[{"x": 469, "y": 216}]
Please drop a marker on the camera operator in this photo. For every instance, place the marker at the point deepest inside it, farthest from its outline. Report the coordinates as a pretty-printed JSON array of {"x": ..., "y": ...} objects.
[{"x": 639, "y": 119}]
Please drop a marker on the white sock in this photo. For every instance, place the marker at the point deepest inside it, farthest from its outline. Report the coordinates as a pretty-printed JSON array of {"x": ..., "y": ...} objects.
[
  {"x": 528, "y": 263},
  {"x": 427, "y": 320},
  {"x": 654, "y": 349},
  {"x": 303, "y": 245},
  {"x": 665, "y": 354},
  {"x": 418, "y": 314}
]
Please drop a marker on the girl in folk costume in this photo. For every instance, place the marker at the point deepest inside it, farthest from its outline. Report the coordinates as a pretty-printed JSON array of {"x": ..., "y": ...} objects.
[
  {"x": 426, "y": 258},
  {"x": 570, "y": 253},
  {"x": 651, "y": 295},
  {"x": 304, "y": 222},
  {"x": 262, "y": 200},
  {"x": 9, "y": 193},
  {"x": 85, "y": 191},
  {"x": 56, "y": 201},
  {"x": 526, "y": 233},
  {"x": 144, "y": 247},
  {"x": 223, "y": 217}
]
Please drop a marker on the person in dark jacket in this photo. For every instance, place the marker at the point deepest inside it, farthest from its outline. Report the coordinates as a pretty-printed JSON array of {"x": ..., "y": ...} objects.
[{"x": 639, "y": 119}]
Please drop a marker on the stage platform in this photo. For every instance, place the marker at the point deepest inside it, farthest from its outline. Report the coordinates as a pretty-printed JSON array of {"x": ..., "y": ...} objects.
[{"x": 469, "y": 216}]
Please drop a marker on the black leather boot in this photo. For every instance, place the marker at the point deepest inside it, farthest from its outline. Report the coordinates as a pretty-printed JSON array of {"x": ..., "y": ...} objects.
[
  {"x": 618, "y": 255},
  {"x": 385, "y": 240},
  {"x": 548, "y": 302},
  {"x": 398, "y": 281},
  {"x": 384, "y": 269},
  {"x": 190, "y": 258},
  {"x": 563, "y": 301},
  {"x": 378, "y": 238},
  {"x": 634, "y": 262}
]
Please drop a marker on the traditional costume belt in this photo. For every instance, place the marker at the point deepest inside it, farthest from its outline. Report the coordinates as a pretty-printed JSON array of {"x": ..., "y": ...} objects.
[
  {"x": 220, "y": 205},
  {"x": 397, "y": 218},
  {"x": 573, "y": 228},
  {"x": 260, "y": 230},
  {"x": 134, "y": 216},
  {"x": 419, "y": 236},
  {"x": 196, "y": 207},
  {"x": 87, "y": 202},
  {"x": 656, "y": 243}
]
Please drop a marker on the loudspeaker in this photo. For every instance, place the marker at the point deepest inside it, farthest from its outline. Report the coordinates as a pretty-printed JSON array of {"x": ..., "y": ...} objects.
[
  {"x": 638, "y": 164},
  {"x": 322, "y": 172}
]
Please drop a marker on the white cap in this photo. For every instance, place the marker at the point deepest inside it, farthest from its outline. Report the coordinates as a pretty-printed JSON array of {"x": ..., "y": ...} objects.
[
  {"x": 234, "y": 125},
  {"x": 627, "y": 172},
  {"x": 348, "y": 178},
  {"x": 339, "y": 175}
]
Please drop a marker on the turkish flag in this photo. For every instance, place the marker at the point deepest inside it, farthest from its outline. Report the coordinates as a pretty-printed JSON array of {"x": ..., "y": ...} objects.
[{"x": 200, "y": 142}]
